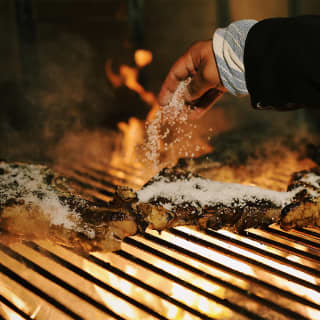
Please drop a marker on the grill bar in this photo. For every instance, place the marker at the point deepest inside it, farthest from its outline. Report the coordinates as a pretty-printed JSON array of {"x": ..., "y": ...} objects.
[
  {"x": 226, "y": 269},
  {"x": 187, "y": 285},
  {"x": 310, "y": 232},
  {"x": 101, "y": 173},
  {"x": 248, "y": 295},
  {"x": 14, "y": 276},
  {"x": 94, "y": 280},
  {"x": 101, "y": 185},
  {"x": 285, "y": 248},
  {"x": 11, "y": 306},
  {"x": 245, "y": 259},
  {"x": 109, "y": 176},
  {"x": 146, "y": 286},
  {"x": 289, "y": 277},
  {"x": 263, "y": 253},
  {"x": 59, "y": 282},
  {"x": 83, "y": 183},
  {"x": 296, "y": 239}
]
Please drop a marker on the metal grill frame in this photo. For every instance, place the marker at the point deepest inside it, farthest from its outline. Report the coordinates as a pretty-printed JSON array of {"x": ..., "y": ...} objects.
[{"x": 99, "y": 181}]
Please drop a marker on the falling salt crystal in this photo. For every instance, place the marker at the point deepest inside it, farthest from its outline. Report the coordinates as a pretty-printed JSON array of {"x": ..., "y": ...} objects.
[{"x": 171, "y": 113}]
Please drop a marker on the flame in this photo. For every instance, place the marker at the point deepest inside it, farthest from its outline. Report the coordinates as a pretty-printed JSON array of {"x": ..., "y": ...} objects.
[
  {"x": 132, "y": 134},
  {"x": 128, "y": 76},
  {"x": 142, "y": 57},
  {"x": 115, "y": 79},
  {"x": 130, "y": 79}
]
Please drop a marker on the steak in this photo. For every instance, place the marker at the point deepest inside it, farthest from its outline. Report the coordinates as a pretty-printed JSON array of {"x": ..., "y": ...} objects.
[{"x": 37, "y": 203}]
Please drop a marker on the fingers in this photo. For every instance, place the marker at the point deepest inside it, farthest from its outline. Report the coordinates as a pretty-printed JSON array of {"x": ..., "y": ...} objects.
[
  {"x": 208, "y": 98},
  {"x": 180, "y": 71},
  {"x": 200, "y": 64},
  {"x": 196, "y": 88},
  {"x": 207, "y": 76},
  {"x": 205, "y": 103}
]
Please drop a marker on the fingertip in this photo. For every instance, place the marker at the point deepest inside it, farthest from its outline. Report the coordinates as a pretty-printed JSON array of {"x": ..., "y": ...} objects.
[
  {"x": 187, "y": 96},
  {"x": 192, "y": 91}
]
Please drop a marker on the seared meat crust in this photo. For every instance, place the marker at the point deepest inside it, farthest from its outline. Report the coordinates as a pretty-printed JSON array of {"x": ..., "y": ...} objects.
[{"x": 304, "y": 210}]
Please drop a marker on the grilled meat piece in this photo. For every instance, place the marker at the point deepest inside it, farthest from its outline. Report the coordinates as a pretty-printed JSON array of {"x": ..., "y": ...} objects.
[
  {"x": 36, "y": 203},
  {"x": 304, "y": 209},
  {"x": 176, "y": 197}
]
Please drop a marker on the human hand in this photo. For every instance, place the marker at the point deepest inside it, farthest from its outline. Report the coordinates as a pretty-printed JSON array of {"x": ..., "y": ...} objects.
[{"x": 205, "y": 86}]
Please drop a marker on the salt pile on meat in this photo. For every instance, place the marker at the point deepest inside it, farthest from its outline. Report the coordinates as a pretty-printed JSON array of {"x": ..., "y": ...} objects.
[
  {"x": 202, "y": 192},
  {"x": 27, "y": 184}
]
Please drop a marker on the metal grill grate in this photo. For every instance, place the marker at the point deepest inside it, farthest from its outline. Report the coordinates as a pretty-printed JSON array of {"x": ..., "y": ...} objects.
[{"x": 180, "y": 274}]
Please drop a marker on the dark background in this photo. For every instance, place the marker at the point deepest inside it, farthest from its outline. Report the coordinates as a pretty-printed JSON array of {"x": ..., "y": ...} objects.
[{"x": 53, "y": 56}]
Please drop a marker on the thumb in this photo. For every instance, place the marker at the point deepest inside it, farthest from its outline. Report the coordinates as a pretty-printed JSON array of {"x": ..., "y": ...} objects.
[{"x": 196, "y": 88}]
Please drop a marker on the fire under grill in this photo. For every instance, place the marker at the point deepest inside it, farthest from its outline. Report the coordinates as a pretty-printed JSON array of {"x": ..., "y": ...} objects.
[{"x": 178, "y": 274}]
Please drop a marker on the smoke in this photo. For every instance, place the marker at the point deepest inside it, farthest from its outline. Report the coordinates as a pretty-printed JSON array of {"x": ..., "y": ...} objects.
[
  {"x": 69, "y": 93},
  {"x": 85, "y": 147}
]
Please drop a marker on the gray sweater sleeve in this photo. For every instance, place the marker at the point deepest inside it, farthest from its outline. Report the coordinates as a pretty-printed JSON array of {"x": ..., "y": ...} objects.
[{"x": 228, "y": 47}]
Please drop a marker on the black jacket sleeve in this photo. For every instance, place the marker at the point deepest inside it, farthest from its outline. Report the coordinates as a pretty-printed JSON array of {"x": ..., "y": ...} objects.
[{"x": 282, "y": 63}]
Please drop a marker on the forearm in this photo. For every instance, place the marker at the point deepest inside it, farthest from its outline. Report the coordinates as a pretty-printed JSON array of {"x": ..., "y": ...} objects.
[
  {"x": 274, "y": 60},
  {"x": 281, "y": 62}
]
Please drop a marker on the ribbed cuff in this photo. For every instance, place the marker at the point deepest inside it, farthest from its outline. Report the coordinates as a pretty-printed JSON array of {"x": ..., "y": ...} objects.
[{"x": 228, "y": 47}]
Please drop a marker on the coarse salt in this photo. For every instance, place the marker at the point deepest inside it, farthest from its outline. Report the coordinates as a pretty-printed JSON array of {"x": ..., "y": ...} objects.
[
  {"x": 24, "y": 182},
  {"x": 204, "y": 192},
  {"x": 312, "y": 179},
  {"x": 172, "y": 113}
]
